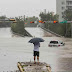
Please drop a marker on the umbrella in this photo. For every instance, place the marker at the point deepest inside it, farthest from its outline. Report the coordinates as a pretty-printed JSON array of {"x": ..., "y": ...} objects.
[{"x": 36, "y": 40}]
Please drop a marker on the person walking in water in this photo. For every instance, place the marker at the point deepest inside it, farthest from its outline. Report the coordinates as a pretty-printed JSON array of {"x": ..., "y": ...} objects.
[{"x": 36, "y": 52}]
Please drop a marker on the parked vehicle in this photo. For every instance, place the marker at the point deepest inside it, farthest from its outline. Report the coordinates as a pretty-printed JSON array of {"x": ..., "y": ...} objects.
[{"x": 56, "y": 43}]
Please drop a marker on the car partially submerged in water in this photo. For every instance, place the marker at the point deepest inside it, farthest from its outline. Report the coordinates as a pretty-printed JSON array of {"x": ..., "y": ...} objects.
[{"x": 56, "y": 43}]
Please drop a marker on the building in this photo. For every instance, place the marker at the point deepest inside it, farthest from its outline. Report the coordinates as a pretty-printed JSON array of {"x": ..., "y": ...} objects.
[{"x": 61, "y": 6}]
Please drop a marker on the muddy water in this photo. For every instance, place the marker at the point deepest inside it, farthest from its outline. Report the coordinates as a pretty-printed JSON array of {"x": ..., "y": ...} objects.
[
  {"x": 13, "y": 50},
  {"x": 64, "y": 62},
  {"x": 17, "y": 49},
  {"x": 5, "y": 32}
]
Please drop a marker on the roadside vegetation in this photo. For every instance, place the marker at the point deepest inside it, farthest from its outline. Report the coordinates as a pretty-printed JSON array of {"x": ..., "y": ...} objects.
[
  {"x": 63, "y": 29},
  {"x": 67, "y": 15},
  {"x": 18, "y": 27}
]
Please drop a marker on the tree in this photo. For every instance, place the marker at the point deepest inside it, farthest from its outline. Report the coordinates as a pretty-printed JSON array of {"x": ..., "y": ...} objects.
[
  {"x": 48, "y": 17},
  {"x": 31, "y": 19},
  {"x": 67, "y": 15},
  {"x": 56, "y": 17},
  {"x": 18, "y": 27},
  {"x": 3, "y": 17}
]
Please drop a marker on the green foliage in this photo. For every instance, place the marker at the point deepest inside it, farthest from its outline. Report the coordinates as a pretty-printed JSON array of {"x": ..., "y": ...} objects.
[
  {"x": 48, "y": 17},
  {"x": 67, "y": 15},
  {"x": 18, "y": 27},
  {"x": 2, "y": 17},
  {"x": 60, "y": 28},
  {"x": 29, "y": 19},
  {"x": 68, "y": 30}
]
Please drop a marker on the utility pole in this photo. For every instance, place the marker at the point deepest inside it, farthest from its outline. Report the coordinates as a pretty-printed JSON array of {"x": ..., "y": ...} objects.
[
  {"x": 71, "y": 30},
  {"x": 24, "y": 18},
  {"x": 45, "y": 11}
]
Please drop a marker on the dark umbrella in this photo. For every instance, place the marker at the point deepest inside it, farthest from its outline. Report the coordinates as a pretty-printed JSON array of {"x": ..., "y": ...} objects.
[{"x": 36, "y": 40}]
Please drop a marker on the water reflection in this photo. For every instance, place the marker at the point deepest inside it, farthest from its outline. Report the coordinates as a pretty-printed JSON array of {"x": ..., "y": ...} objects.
[{"x": 7, "y": 33}]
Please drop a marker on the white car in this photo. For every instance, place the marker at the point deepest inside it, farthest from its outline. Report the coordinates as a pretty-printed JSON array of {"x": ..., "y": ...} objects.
[{"x": 56, "y": 43}]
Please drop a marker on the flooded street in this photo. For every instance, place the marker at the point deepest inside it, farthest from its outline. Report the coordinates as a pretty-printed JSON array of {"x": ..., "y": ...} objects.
[
  {"x": 38, "y": 32},
  {"x": 5, "y": 32},
  {"x": 65, "y": 57},
  {"x": 17, "y": 49}
]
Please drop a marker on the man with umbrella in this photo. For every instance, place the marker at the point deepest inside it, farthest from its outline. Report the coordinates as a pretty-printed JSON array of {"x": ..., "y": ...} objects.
[
  {"x": 36, "y": 42},
  {"x": 36, "y": 51}
]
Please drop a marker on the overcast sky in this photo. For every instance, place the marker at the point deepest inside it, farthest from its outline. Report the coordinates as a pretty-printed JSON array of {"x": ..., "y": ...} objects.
[{"x": 14, "y": 8}]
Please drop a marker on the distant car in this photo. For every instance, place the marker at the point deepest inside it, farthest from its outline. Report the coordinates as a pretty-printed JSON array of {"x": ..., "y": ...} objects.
[{"x": 56, "y": 43}]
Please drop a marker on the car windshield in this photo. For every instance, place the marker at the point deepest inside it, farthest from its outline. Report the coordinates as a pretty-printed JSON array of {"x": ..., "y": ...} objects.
[{"x": 54, "y": 42}]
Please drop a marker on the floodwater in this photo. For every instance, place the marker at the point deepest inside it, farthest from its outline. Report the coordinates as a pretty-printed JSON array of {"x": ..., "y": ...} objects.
[
  {"x": 17, "y": 49},
  {"x": 5, "y": 32},
  {"x": 38, "y": 32}
]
